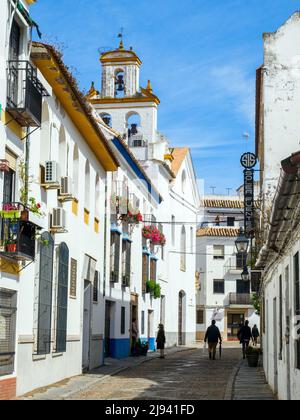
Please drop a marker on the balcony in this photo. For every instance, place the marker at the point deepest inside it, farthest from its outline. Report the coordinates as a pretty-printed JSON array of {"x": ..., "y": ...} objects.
[
  {"x": 240, "y": 299},
  {"x": 17, "y": 240},
  {"x": 235, "y": 265},
  {"x": 24, "y": 94}
]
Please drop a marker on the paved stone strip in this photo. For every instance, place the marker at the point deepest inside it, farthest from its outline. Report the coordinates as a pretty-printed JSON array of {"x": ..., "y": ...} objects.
[{"x": 250, "y": 384}]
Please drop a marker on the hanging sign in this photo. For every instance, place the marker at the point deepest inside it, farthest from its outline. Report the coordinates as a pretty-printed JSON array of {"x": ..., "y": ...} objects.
[
  {"x": 248, "y": 160},
  {"x": 249, "y": 202}
]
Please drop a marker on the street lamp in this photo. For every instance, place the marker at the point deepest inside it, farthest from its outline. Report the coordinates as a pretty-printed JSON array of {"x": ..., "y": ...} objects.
[
  {"x": 242, "y": 243},
  {"x": 245, "y": 274}
]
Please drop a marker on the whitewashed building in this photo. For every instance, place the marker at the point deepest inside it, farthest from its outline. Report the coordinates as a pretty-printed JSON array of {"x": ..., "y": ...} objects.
[
  {"x": 277, "y": 146},
  {"x": 132, "y": 111},
  {"x": 222, "y": 294},
  {"x": 54, "y": 164}
]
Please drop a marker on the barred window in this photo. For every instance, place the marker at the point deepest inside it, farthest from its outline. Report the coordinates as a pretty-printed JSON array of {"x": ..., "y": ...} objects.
[
  {"x": 123, "y": 320},
  {"x": 145, "y": 273},
  {"x": 153, "y": 269},
  {"x": 219, "y": 287},
  {"x": 126, "y": 263},
  {"x": 200, "y": 316},
  {"x": 45, "y": 294},
  {"x": 8, "y": 310},
  {"x": 96, "y": 287},
  {"x": 115, "y": 257},
  {"x": 62, "y": 298}
]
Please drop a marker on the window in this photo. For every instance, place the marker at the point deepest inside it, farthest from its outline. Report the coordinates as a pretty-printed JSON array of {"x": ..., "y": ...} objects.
[
  {"x": 219, "y": 287},
  {"x": 75, "y": 171},
  {"x": 297, "y": 303},
  {"x": 241, "y": 260},
  {"x": 106, "y": 119},
  {"x": 73, "y": 282},
  {"x": 173, "y": 230},
  {"x": 96, "y": 287},
  {"x": 230, "y": 221},
  {"x": 126, "y": 263},
  {"x": 62, "y": 298},
  {"x": 114, "y": 257},
  {"x": 45, "y": 294},
  {"x": 153, "y": 269},
  {"x": 123, "y": 320},
  {"x": 183, "y": 249},
  {"x": 183, "y": 182},
  {"x": 119, "y": 84},
  {"x": 219, "y": 252},
  {"x": 8, "y": 312},
  {"x": 145, "y": 273},
  {"x": 62, "y": 152},
  {"x": 9, "y": 178},
  {"x": 280, "y": 319},
  {"x": 200, "y": 316},
  {"x": 143, "y": 323},
  {"x": 87, "y": 186},
  {"x": 243, "y": 287}
]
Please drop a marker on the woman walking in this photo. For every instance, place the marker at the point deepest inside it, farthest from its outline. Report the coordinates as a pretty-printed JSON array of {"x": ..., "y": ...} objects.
[
  {"x": 255, "y": 335},
  {"x": 161, "y": 340}
]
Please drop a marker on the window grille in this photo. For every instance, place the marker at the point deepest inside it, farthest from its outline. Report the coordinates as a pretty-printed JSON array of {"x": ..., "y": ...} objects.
[
  {"x": 219, "y": 287},
  {"x": 62, "y": 299},
  {"x": 145, "y": 273},
  {"x": 115, "y": 257},
  {"x": 45, "y": 294},
  {"x": 96, "y": 287},
  {"x": 8, "y": 311}
]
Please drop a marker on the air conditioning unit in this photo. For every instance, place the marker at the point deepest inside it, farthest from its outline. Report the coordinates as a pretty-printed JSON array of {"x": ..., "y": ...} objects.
[
  {"x": 51, "y": 172},
  {"x": 66, "y": 186},
  {"x": 58, "y": 218}
]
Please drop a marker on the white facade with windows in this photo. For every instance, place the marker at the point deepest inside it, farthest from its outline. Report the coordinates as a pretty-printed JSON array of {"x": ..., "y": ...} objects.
[
  {"x": 222, "y": 294},
  {"x": 52, "y": 272},
  {"x": 131, "y": 113},
  {"x": 277, "y": 146}
]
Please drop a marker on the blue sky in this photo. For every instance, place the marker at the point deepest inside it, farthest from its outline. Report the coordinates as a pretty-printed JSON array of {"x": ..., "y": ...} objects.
[{"x": 201, "y": 57}]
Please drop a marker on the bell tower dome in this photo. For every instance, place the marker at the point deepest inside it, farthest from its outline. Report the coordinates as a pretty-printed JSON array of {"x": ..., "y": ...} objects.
[
  {"x": 120, "y": 73},
  {"x": 126, "y": 106}
]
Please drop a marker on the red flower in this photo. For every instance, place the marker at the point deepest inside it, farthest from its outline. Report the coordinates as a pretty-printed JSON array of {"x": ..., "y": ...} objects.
[{"x": 38, "y": 206}]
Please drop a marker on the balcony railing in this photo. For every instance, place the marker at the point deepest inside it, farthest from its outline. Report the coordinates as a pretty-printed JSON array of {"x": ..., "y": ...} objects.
[
  {"x": 24, "y": 94},
  {"x": 240, "y": 299},
  {"x": 17, "y": 240}
]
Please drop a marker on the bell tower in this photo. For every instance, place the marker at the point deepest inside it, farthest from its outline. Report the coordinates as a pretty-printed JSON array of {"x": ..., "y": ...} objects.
[
  {"x": 120, "y": 73},
  {"x": 125, "y": 106}
]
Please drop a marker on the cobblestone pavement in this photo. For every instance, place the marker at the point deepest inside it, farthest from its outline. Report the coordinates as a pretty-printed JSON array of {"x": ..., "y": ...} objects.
[{"x": 181, "y": 376}]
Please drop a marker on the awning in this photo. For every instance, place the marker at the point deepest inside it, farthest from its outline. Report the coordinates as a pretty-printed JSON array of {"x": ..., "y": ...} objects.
[
  {"x": 127, "y": 238},
  {"x": 89, "y": 268}
]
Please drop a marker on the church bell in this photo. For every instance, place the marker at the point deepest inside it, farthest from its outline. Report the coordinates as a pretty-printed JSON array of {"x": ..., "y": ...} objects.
[{"x": 120, "y": 83}]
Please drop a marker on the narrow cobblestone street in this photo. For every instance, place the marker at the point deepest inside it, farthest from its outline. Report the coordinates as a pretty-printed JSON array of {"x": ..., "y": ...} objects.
[{"x": 181, "y": 376}]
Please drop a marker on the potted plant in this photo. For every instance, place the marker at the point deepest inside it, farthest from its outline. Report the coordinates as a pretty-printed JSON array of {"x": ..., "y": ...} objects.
[
  {"x": 142, "y": 348},
  {"x": 150, "y": 287},
  {"x": 157, "y": 291},
  {"x": 253, "y": 355},
  {"x": 11, "y": 246}
]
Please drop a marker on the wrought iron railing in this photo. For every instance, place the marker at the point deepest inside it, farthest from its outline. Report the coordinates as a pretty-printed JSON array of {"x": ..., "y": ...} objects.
[
  {"x": 24, "y": 93},
  {"x": 17, "y": 239},
  {"x": 240, "y": 299}
]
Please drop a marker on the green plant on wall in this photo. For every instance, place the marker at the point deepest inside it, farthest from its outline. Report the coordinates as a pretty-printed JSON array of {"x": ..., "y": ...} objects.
[
  {"x": 256, "y": 303},
  {"x": 157, "y": 291}
]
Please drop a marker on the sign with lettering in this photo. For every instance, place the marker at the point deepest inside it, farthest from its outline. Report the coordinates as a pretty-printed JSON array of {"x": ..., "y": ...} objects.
[
  {"x": 248, "y": 160},
  {"x": 249, "y": 202}
]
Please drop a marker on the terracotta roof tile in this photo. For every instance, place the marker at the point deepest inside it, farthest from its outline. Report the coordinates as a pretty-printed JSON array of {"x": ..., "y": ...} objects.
[
  {"x": 223, "y": 204},
  {"x": 179, "y": 154},
  {"x": 218, "y": 231}
]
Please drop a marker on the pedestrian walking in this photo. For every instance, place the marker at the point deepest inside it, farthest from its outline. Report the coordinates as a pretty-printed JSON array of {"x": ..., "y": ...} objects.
[
  {"x": 255, "y": 335},
  {"x": 134, "y": 337},
  {"x": 161, "y": 340},
  {"x": 213, "y": 336},
  {"x": 245, "y": 336}
]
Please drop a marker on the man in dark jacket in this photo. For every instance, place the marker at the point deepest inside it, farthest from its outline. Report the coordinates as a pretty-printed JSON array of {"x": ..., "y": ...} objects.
[
  {"x": 245, "y": 336},
  {"x": 213, "y": 336}
]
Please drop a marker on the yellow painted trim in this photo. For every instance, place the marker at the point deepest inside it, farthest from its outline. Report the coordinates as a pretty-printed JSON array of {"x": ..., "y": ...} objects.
[
  {"x": 125, "y": 100},
  {"x": 96, "y": 225},
  {"x": 9, "y": 267},
  {"x": 62, "y": 90},
  {"x": 133, "y": 59},
  {"x": 86, "y": 217},
  {"x": 12, "y": 124},
  {"x": 75, "y": 207},
  {"x": 169, "y": 157}
]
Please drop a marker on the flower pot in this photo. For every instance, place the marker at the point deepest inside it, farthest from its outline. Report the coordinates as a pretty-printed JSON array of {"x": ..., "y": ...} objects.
[
  {"x": 253, "y": 360},
  {"x": 12, "y": 248}
]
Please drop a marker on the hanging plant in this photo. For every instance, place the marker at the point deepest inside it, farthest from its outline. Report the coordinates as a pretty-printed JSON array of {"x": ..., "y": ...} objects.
[{"x": 154, "y": 235}]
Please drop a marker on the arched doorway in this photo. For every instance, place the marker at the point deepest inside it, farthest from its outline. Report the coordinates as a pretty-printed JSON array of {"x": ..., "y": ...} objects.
[{"x": 181, "y": 318}]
